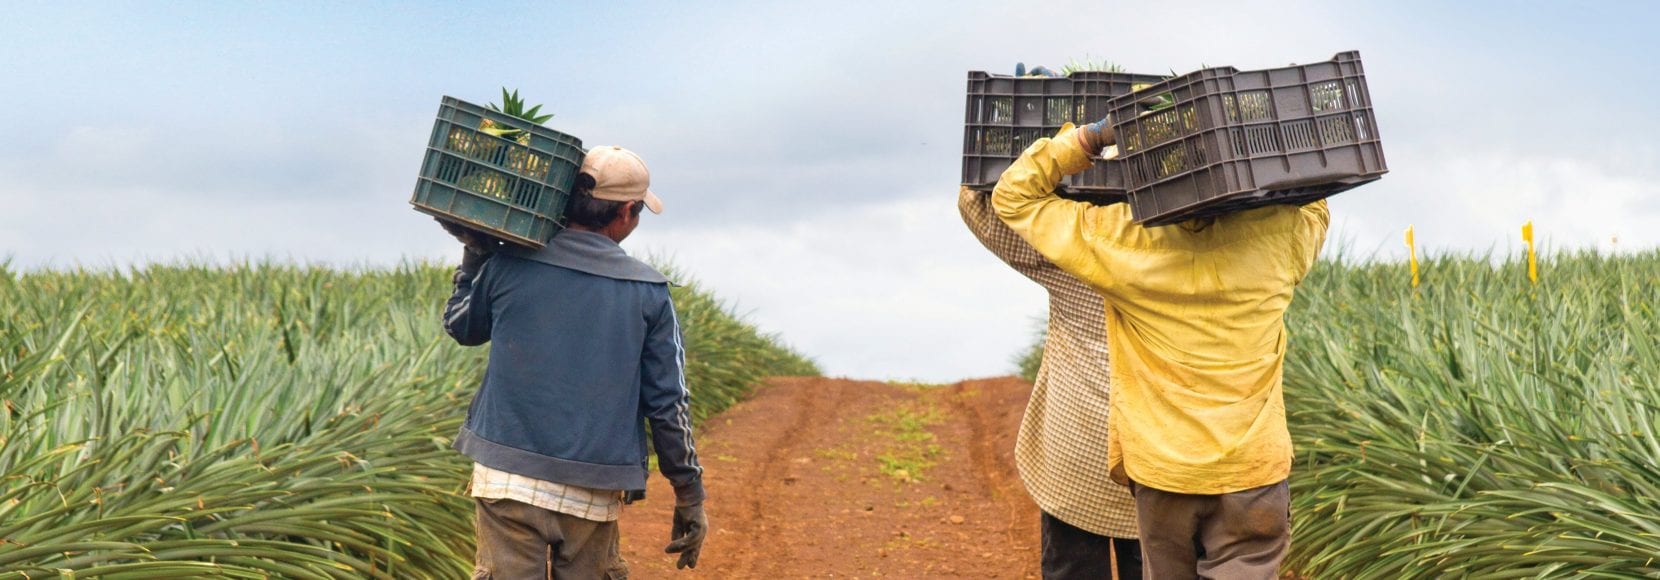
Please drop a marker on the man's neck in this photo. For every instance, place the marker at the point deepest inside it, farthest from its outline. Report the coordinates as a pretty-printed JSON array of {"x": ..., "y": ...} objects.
[{"x": 607, "y": 231}]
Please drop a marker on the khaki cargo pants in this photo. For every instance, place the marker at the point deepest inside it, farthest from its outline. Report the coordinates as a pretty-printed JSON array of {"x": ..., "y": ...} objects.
[{"x": 519, "y": 541}]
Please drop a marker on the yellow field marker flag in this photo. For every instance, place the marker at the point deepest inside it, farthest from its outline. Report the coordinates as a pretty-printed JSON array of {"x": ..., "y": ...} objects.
[
  {"x": 1412, "y": 255},
  {"x": 1532, "y": 258}
]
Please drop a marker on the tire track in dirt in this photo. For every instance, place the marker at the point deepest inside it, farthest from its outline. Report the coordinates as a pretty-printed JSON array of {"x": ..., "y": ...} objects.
[
  {"x": 797, "y": 485},
  {"x": 994, "y": 419},
  {"x": 806, "y": 406}
]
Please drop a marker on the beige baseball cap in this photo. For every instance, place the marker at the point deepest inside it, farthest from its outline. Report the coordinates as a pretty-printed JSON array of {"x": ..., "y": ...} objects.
[{"x": 620, "y": 175}]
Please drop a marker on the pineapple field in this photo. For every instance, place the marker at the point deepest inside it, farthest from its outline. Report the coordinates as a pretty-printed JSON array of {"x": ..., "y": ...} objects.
[
  {"x": 261, "y": 420},
  {"x": 1480, "y": 426},
  {"x": 266, "y": 420}
]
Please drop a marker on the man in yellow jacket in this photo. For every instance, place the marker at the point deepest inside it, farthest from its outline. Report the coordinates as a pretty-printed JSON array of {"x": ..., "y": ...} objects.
[{"x": 1196, "y": 343}]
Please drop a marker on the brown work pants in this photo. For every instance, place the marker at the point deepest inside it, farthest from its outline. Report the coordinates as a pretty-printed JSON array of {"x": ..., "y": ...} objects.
[
  {"x": 518, "y": 541},
  {"x": 1239, "y": 535}
]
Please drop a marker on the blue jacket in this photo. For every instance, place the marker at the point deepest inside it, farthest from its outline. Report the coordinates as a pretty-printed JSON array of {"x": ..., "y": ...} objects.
[{"x": 585, "y": 350}]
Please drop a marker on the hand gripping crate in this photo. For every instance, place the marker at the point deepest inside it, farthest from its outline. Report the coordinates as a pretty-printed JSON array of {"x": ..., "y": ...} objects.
[
  {"x": 1006, "y": 114},
  {"x": 512, "y": 188},
  {"x": 1237, "y": 140}
]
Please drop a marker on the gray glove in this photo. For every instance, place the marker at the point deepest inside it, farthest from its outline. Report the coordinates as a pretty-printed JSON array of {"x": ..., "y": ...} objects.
[
  {"x": 1020, "y": 71},
  {"x": 686, "y": 539},
  {"x": 1096, "y": 136}
]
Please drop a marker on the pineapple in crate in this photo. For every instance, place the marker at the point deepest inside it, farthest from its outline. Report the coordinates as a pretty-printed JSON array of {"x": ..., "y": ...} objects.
[{"x": 510, "y": 149}]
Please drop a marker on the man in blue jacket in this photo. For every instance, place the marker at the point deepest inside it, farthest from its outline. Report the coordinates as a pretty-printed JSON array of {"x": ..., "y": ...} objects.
[{"x": 585, "y": 351}]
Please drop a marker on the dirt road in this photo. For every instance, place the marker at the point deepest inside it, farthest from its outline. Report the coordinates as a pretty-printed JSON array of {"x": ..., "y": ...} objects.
[{"x": 820, "y": 478}]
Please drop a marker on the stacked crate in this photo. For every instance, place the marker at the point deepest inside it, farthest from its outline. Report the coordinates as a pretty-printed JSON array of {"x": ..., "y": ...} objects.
[
  {"x": 1220, "y": 140},
  {"x": 1215, "y": 141},
  {"x": 1006, "y": 114}
]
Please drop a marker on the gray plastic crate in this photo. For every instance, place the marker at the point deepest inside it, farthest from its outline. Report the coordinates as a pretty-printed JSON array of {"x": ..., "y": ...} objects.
[
  {"x": 1236, "y": 140},
  {"x": 1006, "y": 114},
  {"x": 512, "y": 189}
]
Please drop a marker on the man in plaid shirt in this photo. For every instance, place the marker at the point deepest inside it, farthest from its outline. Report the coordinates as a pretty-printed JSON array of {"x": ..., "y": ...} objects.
[{"x": 1062, "y": 447}]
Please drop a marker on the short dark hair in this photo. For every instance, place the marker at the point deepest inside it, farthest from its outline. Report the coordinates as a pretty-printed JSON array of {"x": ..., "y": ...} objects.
[{"x": 584, "y": 210}]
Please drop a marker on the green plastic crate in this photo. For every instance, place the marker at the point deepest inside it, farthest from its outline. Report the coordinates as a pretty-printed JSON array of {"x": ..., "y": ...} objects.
[{"x": 512, "y": 189}]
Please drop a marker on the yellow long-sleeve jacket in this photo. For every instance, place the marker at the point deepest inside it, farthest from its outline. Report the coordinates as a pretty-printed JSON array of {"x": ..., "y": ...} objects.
[{"x": 1195, "y": 322}]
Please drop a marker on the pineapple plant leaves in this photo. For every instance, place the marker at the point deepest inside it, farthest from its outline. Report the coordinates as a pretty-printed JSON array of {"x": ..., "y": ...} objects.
[
  {"x": 511, "y": 104},
  {"x": 263, "y": 420},
  {"x": 1090, "y": 65}
]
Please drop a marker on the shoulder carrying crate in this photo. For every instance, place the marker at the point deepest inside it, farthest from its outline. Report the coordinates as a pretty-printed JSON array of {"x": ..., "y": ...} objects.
[
  {"x": 512, "y": 188},
  {"x": 1222, "y": 140},
  {"x": 1006, "y": 114}
]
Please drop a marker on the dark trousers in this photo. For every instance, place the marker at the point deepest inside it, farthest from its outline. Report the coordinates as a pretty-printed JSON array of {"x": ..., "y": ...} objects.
[
  {"x": 1070, "y": 553},
  {"x": 1239, "y": 535},
  {"x": 521, "y": 541}
]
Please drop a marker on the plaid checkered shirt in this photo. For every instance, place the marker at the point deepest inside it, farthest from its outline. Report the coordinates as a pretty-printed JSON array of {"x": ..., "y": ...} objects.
[
  {"x": 1061, "y": 450},
  {"x": 597, "y": 505}
]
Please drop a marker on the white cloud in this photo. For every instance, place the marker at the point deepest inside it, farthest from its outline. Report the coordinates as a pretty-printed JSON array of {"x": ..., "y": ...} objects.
[
  {"x": 897, "y": 289},
  {"x": 134, "y": 225},
  {"x": 1478, "y": 200},
  {"x": 808, "y": 151}
]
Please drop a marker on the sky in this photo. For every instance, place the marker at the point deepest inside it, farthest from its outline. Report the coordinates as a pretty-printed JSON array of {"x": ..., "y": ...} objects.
[{"x": 808, "y": 153}]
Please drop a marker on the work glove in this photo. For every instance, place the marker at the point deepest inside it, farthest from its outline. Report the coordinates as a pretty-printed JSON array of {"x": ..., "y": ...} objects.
[
  {"x": 1042, "y": 71},
  {"x": 478, "y": 244},
  {"x": 686, "y": 539},
  {"x": 1096, "y": 136},
  {"x": 474, "y": 240}
]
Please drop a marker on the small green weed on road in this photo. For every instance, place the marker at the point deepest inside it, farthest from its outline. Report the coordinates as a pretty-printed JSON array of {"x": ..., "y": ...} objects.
[{"x": 911, "y": 448}]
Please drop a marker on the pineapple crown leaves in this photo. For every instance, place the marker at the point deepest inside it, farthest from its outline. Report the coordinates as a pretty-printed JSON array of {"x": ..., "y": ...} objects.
[
  {"x": 1090, "y": 65},
  {"x": 511, "y": 104}
]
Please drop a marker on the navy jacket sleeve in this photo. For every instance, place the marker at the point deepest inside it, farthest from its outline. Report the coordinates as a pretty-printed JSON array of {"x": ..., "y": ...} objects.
[
  {"x": 666, "y": 404},
  {"x": 467, "y": 314}
]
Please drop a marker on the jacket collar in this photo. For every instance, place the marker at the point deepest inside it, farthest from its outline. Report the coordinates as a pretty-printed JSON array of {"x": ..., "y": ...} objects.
[{"x": 591, "y": 253}]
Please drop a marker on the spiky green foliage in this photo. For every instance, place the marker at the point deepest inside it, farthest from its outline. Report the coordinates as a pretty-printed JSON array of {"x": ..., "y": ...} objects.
[
  {"x": 1090, "y": 65},
  {"x": 260, "y": 420},
  {"x": 511, "y": 104},
  {"x": 726, "y": 354},
  {"x": 1480, "y": 426}
]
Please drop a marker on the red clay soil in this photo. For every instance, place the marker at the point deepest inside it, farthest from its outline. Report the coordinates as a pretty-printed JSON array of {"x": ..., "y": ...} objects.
[{"x": 797, "y": 486}]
